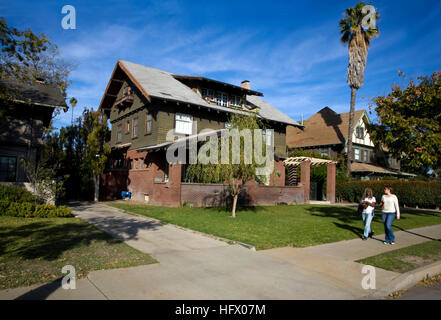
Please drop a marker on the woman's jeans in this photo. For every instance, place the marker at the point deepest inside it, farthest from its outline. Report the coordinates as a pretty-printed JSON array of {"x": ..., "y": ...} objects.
[
  {"x": 388, "y": 219},
  {"x": 367, "y": 219}
]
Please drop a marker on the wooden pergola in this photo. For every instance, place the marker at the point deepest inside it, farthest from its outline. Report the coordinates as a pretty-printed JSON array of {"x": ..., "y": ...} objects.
[
  {"x": 305, "y": 163},
  {"x": 296, "y": 161}
]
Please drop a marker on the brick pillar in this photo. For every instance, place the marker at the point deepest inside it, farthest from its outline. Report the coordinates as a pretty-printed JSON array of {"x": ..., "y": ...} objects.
[
  {"x": 279, "y": 168},
  {"x": 175, "y": 172},
  {"x": 330, "y": 182},
  {"x": 305, "y": 178}
]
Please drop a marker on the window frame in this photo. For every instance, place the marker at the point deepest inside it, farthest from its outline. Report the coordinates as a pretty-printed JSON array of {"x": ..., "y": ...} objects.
[
  {"x": 359, "y": 132},
  {"x": 119, "y": 131},
  {"x": 147, "y": 127},
  {"x": 135, "y": 134},
  {"x": 12, "y": 178},
  {"x": 223, "y": 101},
  {"x": 128, "y": 126},
  {"x": 357, "y": 156},
  {"x": 190, "y": 122}
]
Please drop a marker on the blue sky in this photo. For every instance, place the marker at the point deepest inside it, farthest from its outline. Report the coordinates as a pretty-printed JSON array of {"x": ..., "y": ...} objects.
[{"x": 289, "y": 50}]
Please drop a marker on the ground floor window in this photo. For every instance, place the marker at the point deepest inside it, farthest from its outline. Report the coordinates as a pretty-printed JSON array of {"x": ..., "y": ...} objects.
[{"x": 8, "y": 168}]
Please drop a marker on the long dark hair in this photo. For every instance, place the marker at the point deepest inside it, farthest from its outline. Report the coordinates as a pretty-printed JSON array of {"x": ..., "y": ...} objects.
[{"x": 366, "y": 191}]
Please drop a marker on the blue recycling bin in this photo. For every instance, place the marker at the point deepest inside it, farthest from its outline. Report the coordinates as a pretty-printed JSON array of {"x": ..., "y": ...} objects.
[{"x": 126, "y": 194}]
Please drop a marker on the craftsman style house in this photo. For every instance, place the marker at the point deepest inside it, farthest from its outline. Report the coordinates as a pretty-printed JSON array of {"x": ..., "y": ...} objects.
[
  {"x": 26, "y": 108},
  {"x": 326, "y": 132},
  {"x": 149, "y": 109}
]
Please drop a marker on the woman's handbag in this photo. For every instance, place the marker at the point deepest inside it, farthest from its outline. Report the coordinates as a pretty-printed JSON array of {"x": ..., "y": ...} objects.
[{"x": 360, "y": 209}]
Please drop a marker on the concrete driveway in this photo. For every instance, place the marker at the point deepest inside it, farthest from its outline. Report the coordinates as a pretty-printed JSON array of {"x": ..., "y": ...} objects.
[{"x": 195, "y": 266}]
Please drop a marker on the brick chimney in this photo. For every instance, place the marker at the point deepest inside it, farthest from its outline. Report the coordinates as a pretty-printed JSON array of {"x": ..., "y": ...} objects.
[{"x": 246, "y": 84}]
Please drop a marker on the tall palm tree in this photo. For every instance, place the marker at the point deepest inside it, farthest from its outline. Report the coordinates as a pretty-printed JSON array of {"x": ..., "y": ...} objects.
[
  {"x": 358, "y": 38},
  {"x": 73, "y": 103}
]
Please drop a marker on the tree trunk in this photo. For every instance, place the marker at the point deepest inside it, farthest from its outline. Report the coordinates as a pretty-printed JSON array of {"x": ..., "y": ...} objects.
[
  {"x": 233, "y": 213},
  {"x": 96, "y": 182},
  {"x": 350, "y": 132}
]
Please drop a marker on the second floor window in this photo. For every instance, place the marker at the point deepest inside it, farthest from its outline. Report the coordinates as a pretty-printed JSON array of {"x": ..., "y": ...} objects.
[
  {"x": 208, "y": 94},
  {"x": 234, "y": 101},
  {"x": 128, "y": 126},
  {"x": 135, "y": 128},
  {"x": 365, "y": 156},
  {"x": 222, "y": 100},
  {"x": 324, "y": 151},
  {"x": 357, "y": 154},
  {"x": 148, "y": 123},
  {"x": 184, "y": 124},
  {"x": 119, "y": 134}
]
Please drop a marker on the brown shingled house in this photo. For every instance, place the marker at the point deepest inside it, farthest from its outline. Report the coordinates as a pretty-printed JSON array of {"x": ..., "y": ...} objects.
[
  {"x": 150, "y": 109},
  {"x": 26, "y": 109},
  {"x": 326, "y": 132}
]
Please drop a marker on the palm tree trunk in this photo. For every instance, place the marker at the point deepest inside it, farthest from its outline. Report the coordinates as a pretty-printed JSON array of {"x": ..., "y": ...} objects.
[
  {"x": 96, "y": 181},
  {"x": 233, "y": 214},
  {"x": 350, "y": 132}
]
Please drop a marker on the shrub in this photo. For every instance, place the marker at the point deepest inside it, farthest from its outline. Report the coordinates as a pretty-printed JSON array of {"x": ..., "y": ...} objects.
[
  {"x": 16, "y": 194},
  {"x": 30, "y": 210},
  {"x": 51, "y": 211},
  {"x": 424, "y": 194}
]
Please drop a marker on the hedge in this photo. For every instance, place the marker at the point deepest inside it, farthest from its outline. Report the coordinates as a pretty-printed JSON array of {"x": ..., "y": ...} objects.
[
  {"x": 16, "y": 194},
  {"x": 32, "y": 210},
  {"x": 422, "y": 194}
]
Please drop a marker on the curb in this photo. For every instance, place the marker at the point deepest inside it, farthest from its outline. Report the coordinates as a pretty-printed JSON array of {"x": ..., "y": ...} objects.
[
  {"x": 245, "y": 245},
  {"x": 407, "y": 280}
]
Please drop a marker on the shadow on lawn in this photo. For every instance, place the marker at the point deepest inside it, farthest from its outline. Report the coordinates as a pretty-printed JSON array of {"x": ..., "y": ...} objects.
[{"x": 48, "y": 240}]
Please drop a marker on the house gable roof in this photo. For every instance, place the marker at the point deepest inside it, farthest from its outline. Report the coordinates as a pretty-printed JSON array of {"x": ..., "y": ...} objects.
[
  {"x": 155, "y": 83},
  {"x": 326, "y": 127},
  {"x": 34, "y": 93}
]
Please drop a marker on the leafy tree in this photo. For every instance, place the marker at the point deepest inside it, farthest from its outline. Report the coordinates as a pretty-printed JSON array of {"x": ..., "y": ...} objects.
[
  {"x": 28, "y": 57},
  {"x": 236, "y": 175},
  {"x": 46, "y": 185},
  {"x": 97, "y": 150},
  {"x": 409, "y": 122},
  {"x": 358, "y": 39}
]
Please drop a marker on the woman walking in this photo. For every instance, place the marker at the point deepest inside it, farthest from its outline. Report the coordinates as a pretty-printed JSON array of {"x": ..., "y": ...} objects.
[
  {"x": 368, "y": 203},
  {"x": 390, "y": 209}
]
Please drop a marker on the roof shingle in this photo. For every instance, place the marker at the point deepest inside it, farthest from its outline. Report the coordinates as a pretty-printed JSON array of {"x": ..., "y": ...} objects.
[{"x": 326, "y": 127}]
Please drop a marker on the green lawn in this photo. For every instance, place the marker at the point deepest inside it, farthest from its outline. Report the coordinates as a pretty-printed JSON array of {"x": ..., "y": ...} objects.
[
  {"x": 34, "y": 250},
  {"x": 278, "y": 226},
  {"x": 407, "y": 259}
]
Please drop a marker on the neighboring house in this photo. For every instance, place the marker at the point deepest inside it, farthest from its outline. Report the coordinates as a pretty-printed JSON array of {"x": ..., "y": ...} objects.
[
  {"x": 326, "y": 132},
  {"x": 150, "y": 108},
  {"x": 25, "y": 110}
]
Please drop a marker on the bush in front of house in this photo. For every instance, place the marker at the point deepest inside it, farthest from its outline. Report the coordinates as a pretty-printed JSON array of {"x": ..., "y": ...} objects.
[
  {"x": 16, "y": 194},
  {"x": 422, "y": 194},
  {"x": 32, "y": 210}
]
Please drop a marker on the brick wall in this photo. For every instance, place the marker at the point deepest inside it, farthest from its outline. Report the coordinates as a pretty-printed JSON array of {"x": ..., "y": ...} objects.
[{"x": 209, "y": 195}]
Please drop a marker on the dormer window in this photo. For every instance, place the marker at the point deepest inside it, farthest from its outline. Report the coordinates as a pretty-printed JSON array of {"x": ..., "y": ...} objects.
[
  {"x": 235, "y": 101},
  {"x": 208, "y": 94},
  {"x": 222, "y": 99}
]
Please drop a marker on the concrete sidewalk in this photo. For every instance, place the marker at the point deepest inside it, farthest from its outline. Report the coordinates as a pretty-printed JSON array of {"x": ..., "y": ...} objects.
[{"x": 193, "y": 266}]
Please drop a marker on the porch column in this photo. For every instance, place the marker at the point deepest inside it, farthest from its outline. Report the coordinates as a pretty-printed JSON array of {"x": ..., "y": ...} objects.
[
  {"x": 305, "y": 179},
  {"x": 175, "y": 178},
  {"x": 330, "y": 182}
]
